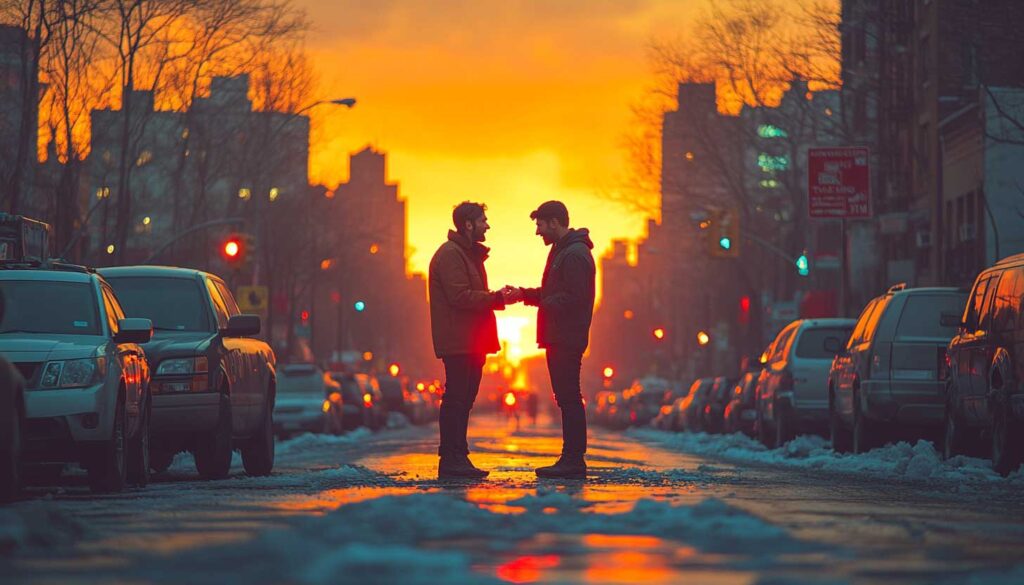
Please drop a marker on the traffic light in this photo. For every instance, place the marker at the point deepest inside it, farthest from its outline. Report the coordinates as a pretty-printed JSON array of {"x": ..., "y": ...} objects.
[
  {"x": 359, "y": 306},
  {"x": 235, "y": 249},
  {"x": 744, "y": 318},
  {"x": 725, "y": 233},
  {"x": 608, "y": 372},
  {"x": 703, "y": 338},
  {"x": 803, "y": 265},
  {"x": 659, "y": 333}
]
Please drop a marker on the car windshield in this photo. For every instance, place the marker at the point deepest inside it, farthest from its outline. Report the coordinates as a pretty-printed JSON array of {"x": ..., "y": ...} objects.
[
  {"x": 300, "y": 380},
  {"x": 922, "y": 315},
  {"x": 41, "y": 306},
  {"x": 812, "y": 341},
  {"x": 172, "y": 304}
]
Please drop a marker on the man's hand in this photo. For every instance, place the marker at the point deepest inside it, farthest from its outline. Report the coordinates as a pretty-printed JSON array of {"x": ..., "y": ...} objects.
[{"x": 511, "y": 294}]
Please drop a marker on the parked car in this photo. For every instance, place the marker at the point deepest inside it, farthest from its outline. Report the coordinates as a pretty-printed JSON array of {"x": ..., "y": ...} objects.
[
  {"x": 213, "y": 382},
  {"x": 792, "y": 390},
  {"x": 398, "y": 398},
  {"x": 308, "y": 400},
  {"x": 714, "y": 406},
  {"x": 12, "y": 422},
  {"x": 645, "y": 398},
  {"x": 890, "y": 374},
  {"x": 667, "y": 414},
  {"x": 690, "y": 410},
  {"x": 984, "y": 392},
  {"x": 87, "y": 380},
  {"x": 740, "y": 412},
  {"x": 362, "y": 392}
]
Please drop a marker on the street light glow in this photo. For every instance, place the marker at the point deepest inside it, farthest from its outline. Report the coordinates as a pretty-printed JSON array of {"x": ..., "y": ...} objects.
[
  {"x": 703, "y": 338},
  {"x": 608, "y": 371},
  {"x": 659, "y": 333}
]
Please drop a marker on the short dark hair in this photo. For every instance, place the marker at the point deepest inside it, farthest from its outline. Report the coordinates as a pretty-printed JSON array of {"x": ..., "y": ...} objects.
[
  {"x": 552, "y": 210},
  {"x": 467, "y": 211}
]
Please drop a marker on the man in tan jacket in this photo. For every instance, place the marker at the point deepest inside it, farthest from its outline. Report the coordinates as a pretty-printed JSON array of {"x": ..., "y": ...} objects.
[{"x": 464, "y": 330}]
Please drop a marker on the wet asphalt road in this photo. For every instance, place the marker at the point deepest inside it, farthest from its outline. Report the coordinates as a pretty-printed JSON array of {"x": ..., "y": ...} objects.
[{"x": 837, "y": 527}]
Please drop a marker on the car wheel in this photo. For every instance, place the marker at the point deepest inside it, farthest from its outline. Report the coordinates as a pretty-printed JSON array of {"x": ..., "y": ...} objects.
[
  {"x": 1007, "y": 454},
  {"x": 865, "y": 431},
  {"x": 10, "y": 461},
  {"x": 763, "y": 435},
  {"x": 783, "y": 426},
  {"x": 213, "y": 453},
  {"x": 108, "y": 471},
  {"x": 138, "y": 452},
  {"x": 160, "y": 460},
  {"x": 838, "y": 435},
  {"x": 258, "y": 450}
]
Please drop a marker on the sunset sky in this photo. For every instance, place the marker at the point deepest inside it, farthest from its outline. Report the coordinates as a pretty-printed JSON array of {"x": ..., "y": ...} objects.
[{"x": 506, "y": 102}]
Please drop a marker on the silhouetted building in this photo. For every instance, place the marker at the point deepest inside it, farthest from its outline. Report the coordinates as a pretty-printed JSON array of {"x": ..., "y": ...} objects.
[{"x": 379, "y": 309}]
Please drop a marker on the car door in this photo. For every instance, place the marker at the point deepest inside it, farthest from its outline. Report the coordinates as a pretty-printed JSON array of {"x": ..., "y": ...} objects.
[
  {"x": 845, "y": 367},
  {"x": 129, "y": 358},
  {"x": 234, "y": 363},
  {"x": 256, "y": 355},
  {"x": 774, "y": 370},
  {"x": 979, "y": 356},
  {"x": 960, "y": 348}
]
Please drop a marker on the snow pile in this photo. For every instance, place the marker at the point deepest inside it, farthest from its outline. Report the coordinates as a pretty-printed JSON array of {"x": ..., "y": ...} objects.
[
  {"x": 315, "y": 479},
  {"x": 919, "y": 461},
  {"x": 310, "y": 441},
  {"x": 439, "y": 537},
  {"x": 36, "y": 525}
]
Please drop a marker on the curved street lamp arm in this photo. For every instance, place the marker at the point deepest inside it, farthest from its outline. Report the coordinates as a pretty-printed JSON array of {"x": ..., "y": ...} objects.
[{"x": 191, "y": 230}]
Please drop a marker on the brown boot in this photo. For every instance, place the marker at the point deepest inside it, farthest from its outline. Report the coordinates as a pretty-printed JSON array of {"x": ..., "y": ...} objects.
[
  {"x": 458, "y": 466},
  {"x": 567, "y": 467}
]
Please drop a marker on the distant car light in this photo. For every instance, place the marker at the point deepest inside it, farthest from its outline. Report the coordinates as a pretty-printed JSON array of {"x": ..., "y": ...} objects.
[{"x": 510, "y": 399}]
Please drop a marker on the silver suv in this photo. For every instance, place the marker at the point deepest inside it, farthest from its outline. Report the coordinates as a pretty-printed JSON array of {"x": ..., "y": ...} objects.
[
  {"x": 790, "y": 395},
  {"x": 86, "y": 395},
  {"x": 891, "y": 372}
]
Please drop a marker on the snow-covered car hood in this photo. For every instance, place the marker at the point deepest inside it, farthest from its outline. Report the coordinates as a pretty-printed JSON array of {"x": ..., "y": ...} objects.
[{"x": 41, "y": 347}]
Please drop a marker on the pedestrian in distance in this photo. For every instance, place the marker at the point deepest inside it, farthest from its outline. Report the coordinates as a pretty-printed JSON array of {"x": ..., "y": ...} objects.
[
  {"x": 464, "y": 331},
  {"x": 565, "y": 303}
]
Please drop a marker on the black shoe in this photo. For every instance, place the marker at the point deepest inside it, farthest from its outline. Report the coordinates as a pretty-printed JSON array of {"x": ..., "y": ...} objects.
[
  {"x": 458, "y": 467},
  {"x": 567, "y": 467}
]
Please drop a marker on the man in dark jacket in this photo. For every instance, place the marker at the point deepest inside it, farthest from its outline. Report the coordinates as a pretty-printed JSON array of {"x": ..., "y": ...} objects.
[
  {"x": 464, "y": 330},
  {"x": 565, "y": 302}
]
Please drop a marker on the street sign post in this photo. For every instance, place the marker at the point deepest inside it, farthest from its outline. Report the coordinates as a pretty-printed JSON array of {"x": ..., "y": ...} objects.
[
  {"x": 838, "y": 182},
  {"x": 839, "y": 187}
]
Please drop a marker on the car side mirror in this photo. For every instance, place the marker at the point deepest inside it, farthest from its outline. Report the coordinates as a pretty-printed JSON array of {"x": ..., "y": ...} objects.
[
  {"x": 134, "y": 330},
  {"x": 951, "y": 320},
  {"x": 242, "y": 326},
  {"x": 833, "y": 345}
]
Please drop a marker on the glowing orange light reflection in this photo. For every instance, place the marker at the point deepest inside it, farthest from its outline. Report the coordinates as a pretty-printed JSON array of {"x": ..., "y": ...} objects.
[{"x": 526, "y": 569}]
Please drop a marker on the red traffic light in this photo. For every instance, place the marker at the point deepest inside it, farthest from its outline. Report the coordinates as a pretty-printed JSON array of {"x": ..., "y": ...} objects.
[{"x": 233, "y": 249}]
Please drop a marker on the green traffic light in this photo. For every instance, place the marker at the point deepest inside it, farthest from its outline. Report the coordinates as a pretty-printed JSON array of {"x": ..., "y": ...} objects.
[
  {"x": 803, "y": 267},
  {"x": 360, "y": 306},
  {"x": 725, "y": 243}
]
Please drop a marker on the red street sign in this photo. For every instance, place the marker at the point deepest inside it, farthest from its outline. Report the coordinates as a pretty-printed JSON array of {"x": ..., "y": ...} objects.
[{"x": 838, "y": 182}]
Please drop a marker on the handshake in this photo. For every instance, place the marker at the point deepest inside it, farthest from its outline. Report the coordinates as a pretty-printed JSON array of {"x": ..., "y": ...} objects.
[{"x": 511, "y": 294}]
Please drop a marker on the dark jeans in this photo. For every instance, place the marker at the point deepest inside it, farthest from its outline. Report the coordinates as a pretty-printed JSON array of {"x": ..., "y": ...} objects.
[
  {"x": 462, "y": 375},
  {"x": 564, "y": 369}
]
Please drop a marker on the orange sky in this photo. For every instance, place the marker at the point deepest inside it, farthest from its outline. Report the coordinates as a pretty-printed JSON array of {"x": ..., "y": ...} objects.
[{"x": 501, "y": 101}]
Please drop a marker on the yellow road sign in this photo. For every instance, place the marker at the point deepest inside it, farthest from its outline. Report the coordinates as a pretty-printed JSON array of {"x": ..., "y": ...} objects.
[{"x": 252, "y": 299}]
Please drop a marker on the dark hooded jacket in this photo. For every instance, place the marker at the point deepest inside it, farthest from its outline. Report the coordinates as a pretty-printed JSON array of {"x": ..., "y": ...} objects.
[
  {"x": 461, "y": 306},
  {"x": 565, "y": 299}
]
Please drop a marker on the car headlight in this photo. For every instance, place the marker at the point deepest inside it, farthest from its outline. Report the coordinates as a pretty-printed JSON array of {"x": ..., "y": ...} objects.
[
  {"x": 182, "y": 366},
  {"x": 73, "y": 373}
]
